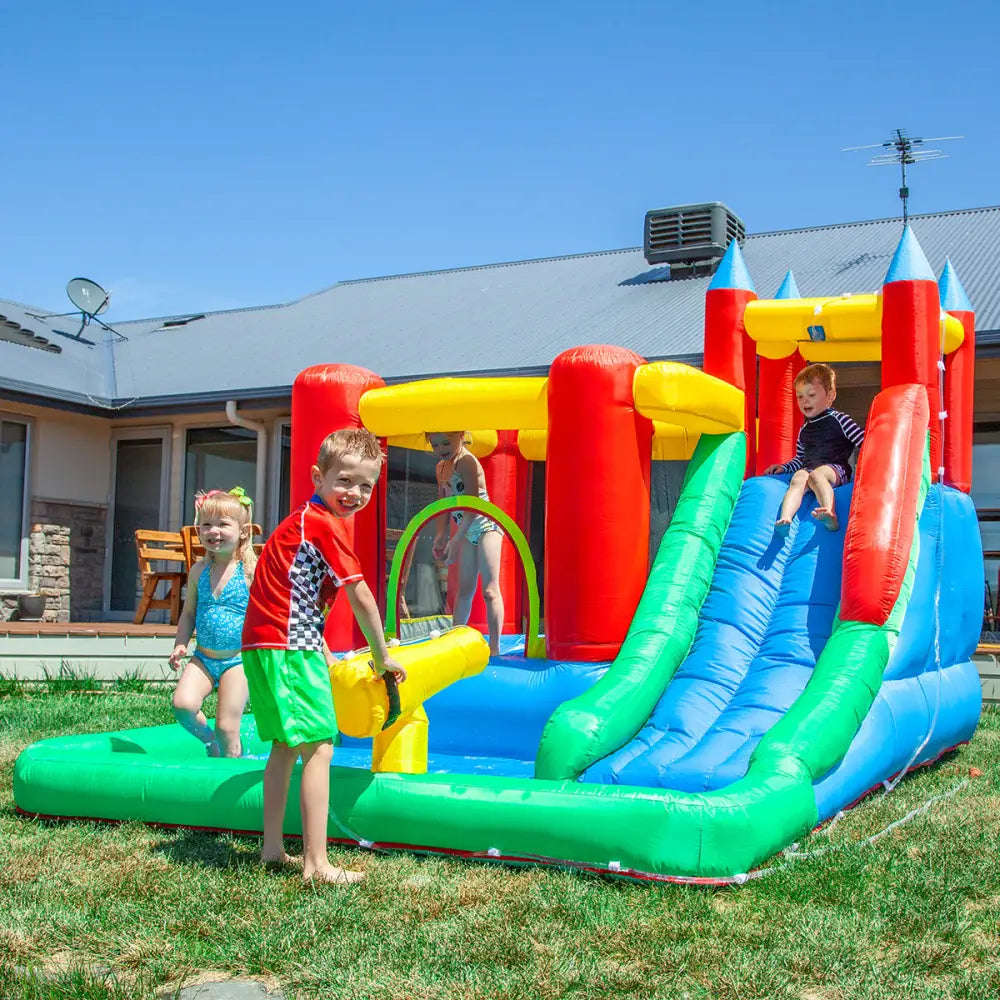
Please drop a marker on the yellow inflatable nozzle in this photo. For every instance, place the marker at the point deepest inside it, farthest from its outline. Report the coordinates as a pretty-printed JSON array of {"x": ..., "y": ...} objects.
[{"x": 360, "y": 698}]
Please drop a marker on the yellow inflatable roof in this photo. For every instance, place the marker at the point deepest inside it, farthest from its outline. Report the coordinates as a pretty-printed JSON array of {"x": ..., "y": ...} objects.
[{"x": 840, "y": 328}]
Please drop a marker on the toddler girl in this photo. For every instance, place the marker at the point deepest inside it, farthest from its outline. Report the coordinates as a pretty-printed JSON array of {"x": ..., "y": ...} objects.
[{"x": 214, "y": 606}]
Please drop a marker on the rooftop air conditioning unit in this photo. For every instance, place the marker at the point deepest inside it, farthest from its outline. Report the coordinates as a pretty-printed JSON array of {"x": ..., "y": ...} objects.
[{"x": 685, "y": 234}]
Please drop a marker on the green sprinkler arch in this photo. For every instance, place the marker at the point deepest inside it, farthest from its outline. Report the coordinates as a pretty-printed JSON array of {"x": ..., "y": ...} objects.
[{"x": 534, "y": 644}]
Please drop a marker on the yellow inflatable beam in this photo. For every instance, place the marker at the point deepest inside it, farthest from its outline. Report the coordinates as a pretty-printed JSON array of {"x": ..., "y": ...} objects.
[
  {"x": 682, "y": 402},
  {"x": 685, "y": 397},
  {"x": 455, "y": 404},
  {"x": 361, "y": 702},
  {"x": 851, "y": 328},
  {"x": 669, "y": 442},
  {"x": 480, "y": 443}
]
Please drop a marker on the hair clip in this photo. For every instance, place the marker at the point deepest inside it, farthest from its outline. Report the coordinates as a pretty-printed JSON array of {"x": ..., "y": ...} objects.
[
  {"x": 241, "y": 495},
  {"x": 201, "y": 496}
]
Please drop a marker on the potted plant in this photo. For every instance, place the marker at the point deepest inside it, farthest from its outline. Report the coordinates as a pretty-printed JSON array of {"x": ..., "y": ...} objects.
[{"x": 30, "y": 607}]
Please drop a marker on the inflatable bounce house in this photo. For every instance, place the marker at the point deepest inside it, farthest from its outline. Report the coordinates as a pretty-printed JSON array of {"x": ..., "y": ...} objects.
[{"x": 684, "y": 716}]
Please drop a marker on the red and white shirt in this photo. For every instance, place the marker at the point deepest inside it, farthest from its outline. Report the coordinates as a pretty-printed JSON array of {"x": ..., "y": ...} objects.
[{"x": 306, "y": 559}]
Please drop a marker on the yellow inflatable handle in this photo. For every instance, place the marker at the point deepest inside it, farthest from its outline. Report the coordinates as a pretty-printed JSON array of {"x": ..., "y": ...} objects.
[{"x": 361, "y": 698}]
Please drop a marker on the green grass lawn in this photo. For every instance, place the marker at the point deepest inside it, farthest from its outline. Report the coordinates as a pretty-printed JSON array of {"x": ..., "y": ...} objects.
[{"x": 98, "y": 911}]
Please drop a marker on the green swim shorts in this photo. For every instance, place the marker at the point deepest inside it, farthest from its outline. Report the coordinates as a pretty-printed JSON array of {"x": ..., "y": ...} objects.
[{"x": 290, "y": 695}]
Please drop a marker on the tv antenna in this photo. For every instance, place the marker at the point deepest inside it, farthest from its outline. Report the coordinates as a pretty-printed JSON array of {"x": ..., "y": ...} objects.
[
  {"x": 904, "y": 150},
  {"x": 91, "y": 300}
]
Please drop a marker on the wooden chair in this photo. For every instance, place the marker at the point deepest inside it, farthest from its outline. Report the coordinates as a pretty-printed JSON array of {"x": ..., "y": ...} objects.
[
  {"x": 160, "y": 547},
  {"x": 194, "y": 550}
]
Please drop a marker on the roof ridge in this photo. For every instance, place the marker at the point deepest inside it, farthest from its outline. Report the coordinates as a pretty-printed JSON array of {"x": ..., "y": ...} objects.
[
  {"x": 25, "y": 306},
  {"x": 471, "y": 267},
  {"x": 619, "y": 250},
  {"x": 202, "y": 313},
  {"x": 873, "y": 222}
]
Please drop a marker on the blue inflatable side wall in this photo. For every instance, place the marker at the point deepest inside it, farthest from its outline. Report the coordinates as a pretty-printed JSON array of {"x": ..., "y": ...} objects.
[{"x": 931, "y": 690}]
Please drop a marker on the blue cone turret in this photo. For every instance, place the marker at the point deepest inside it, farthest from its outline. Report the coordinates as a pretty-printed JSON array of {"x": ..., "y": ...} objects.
[
  {"x": 788, "y": 288},
  {"x": 908, "y": 262},
  {"x": 732, "y": 272},
  {"x": 953, "y": 297}
]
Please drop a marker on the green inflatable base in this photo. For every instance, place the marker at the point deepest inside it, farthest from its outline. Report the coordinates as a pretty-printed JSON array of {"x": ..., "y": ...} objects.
[{"x": 160, "y": 775}]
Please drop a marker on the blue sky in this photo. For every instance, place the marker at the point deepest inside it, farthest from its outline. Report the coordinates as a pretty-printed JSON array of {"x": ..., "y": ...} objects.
[{"x": 207, "y": 155}]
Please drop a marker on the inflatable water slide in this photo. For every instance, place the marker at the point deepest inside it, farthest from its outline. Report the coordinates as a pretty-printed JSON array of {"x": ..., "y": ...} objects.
[{"x": 684, "y": 717}]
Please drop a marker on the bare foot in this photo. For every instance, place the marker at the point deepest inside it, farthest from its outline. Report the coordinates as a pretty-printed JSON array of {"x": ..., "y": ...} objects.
[
  {"x": 276, "y": 862},
  {"x": 782, "y": 526},
  {"x": 827, "y": 518},
  {"x": 212, "y": 749},
  {"x": 334, "y": 876}
]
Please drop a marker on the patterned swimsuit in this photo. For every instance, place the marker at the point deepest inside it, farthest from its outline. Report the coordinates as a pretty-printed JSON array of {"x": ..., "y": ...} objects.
[
  {"x": 480, "y": 522},
  {"x": 219, "y": 620}
]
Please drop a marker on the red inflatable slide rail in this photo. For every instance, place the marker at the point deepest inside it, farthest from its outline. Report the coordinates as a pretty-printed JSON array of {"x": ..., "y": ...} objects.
[{"x": 883, "y": 511}]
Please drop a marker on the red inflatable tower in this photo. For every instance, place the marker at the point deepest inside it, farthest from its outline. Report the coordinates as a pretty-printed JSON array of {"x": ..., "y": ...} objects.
[
  {"x": 959, "y": 385},
  {"x": 730, "y": 354},
  {"x": 911, "y": 331},
  {"x": 597, "y": 503},
  {"x": 325, "y": 399}
]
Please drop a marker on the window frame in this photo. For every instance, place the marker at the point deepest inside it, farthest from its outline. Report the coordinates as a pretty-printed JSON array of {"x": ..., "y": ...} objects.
[
  {"x": 203, "y": 425},
  {"x": 274, "y": 513},
  {"x": 131, "y": 433},
  {"x": 20, "y": 584}
]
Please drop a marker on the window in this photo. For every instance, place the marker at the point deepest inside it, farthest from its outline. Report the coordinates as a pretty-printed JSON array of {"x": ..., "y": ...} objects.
[
  {"x": 665, "y": 481},
  {"x": 14, "y": 440},
  {"x": 284, "y": 466},
  {"x": 218, "y": 458},
  {"x": 986, "y": 468},
  {"x": 412, "y": 485},
  {"x": 536, "y": 523},
  {"x": 986, "y": 496}
]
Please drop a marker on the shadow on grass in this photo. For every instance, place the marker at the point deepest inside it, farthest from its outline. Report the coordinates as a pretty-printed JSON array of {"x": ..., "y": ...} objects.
[{"x": 206, "y": 849}]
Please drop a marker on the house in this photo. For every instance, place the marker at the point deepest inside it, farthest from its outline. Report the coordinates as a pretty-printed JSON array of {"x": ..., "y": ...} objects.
[{"x": 100, "y": 436}]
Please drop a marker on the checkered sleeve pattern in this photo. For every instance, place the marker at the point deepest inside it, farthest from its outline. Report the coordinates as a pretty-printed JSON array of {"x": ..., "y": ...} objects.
[{"x": 305, "y": 615}]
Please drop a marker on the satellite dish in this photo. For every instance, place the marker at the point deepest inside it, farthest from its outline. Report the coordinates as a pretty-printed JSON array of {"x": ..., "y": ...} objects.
[
  {"x": 91, "y": 300},
  {"x": 88, "y": 296}
]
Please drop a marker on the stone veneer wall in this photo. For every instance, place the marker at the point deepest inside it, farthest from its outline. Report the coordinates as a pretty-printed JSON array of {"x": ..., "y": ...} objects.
[{"x": 65, "y": 560}]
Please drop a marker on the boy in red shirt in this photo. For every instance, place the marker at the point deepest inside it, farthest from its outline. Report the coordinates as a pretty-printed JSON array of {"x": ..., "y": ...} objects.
[{"x": 286, "y": 660}]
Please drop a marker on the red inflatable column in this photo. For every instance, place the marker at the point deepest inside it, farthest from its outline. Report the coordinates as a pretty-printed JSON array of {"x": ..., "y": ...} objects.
[
  {"x": 750, "y": 418},
  {"x": 911, "y": 313},
  {"x": 325, "y": 399},
  {"x": 730, "y": 354},
  {"x": 596, "y": 503},
  {"x": 778, "y": 429},
  {"x": 959, "y": 385},
  {"x": 780, "y": 418},
  {"x": 797, "y": 418},
  {"x": 506, "y": 473}
]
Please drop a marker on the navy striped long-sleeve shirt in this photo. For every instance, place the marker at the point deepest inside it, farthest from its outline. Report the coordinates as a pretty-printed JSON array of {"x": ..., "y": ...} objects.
[{"x": 827, "y": 439}]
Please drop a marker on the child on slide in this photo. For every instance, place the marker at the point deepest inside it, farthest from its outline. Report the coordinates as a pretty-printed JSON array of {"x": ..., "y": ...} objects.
[
  {"x": 826, "y": 441},
  {"x": 216, "y": 601},
  {"x": 477, "y": 542}
]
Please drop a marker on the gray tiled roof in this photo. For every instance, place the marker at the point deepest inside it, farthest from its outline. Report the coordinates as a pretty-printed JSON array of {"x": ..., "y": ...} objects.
[
  {"x": 76, "y": 371},
  {"x": 497, "y": 317}
]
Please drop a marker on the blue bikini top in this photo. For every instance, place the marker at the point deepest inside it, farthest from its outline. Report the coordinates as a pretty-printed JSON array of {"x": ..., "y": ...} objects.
[{"x": 220, "y": 619}]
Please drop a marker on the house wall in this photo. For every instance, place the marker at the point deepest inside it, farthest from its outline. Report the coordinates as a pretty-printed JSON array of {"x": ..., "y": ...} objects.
[{"x": 68, "y": 484}]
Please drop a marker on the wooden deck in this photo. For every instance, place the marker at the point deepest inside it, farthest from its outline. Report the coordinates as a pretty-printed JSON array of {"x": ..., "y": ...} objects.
[{"x": 115, "y": 630}]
